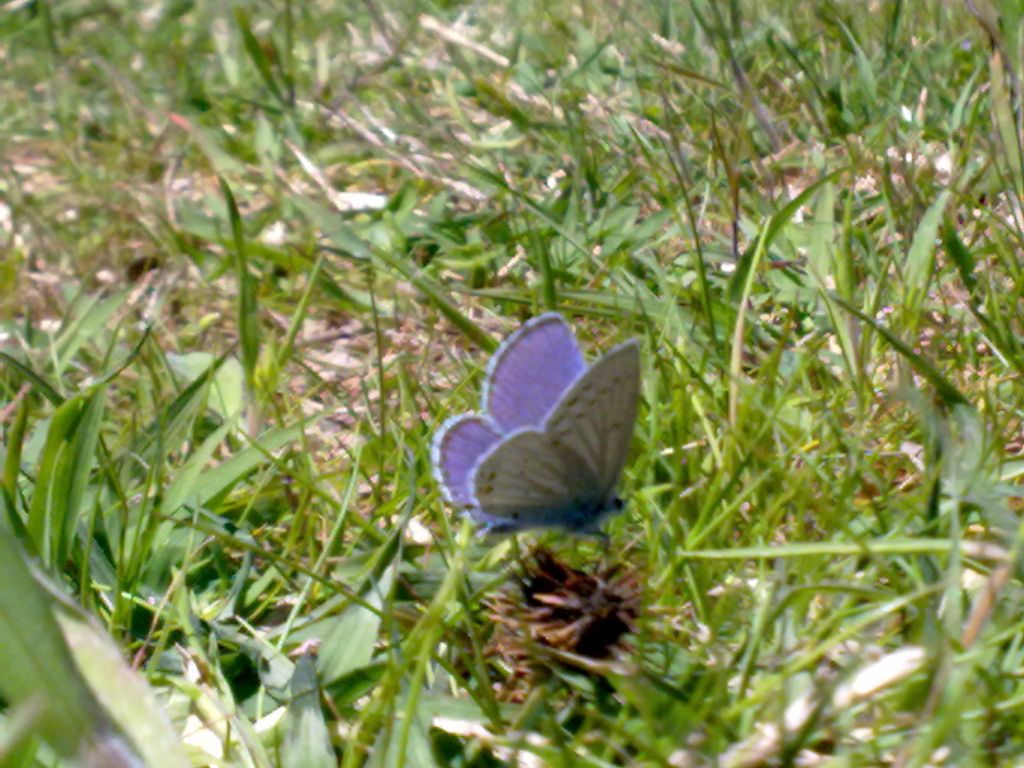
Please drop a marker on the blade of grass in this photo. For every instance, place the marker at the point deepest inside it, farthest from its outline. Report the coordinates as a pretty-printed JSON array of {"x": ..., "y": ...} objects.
[
  {"x": 248, "y": 311},
  {"x": 738, "y": 283},
  {"x": 919, "y": 268},
  {"x": 921, "y": 546},
  {"x": 38, "y": 382},
  {"x": 257, "y": 55},
  {"x": 438, "y": 298},
  {"x": 950, "y": 395},
  {"x": 67, "y": 459}
]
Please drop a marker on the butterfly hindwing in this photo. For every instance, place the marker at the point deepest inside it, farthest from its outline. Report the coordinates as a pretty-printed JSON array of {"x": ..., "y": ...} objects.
[
  {"x": 528, "y": 480},
  {"x": 457, "y": 447}
]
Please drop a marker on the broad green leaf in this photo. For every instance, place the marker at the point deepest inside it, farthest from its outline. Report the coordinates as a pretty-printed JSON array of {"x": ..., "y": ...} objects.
[
  {"x": 186, "y": 486},
  {"x": 227, "y": 387},
  {"x": 36, "y": 667},
  {"x": 307, "y": 742},
  {"x": 125, "y": 696},
  {"x": 349, "y": 639},
  {"x": 822, "y": 235},
  {"x": 410, "y": 741},
  {"x": 172, "y": 425},
  {"x": 223, "y": 477},
  {"x": 89, "y": 320}
]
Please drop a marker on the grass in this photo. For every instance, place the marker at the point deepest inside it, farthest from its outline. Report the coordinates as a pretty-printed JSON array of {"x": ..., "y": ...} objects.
[{"x": 255, "y": 254}]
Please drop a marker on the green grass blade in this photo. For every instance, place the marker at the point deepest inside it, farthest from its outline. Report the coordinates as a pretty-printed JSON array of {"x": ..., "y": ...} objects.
[
  {"x": 248, "y": 310},
  {"x": 41, "y": 385},
  {"x": 961, "y": 255},
  {"x": 826, "y": 549},
  {"x": 437, "y": 297},
  {"x": 67, "y": 459},
  {"x": 255, "y": 51},
  {"x": 950, "y": 394},
  {"x": 1003, "y": 107},
  {"x": 739, "y": 282},
  {"x": 84, "y": 328},
  {"x": 172, "y": 424},
  {"x": 217, "y": 481},
  {"x": 920, "y": 263},
  {"x": 15, "y": 440},
  {"x": 190, "y": 486}
]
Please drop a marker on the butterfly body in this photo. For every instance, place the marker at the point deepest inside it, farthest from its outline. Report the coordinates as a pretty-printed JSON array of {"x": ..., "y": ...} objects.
[
  {"x": 552, "y": 437},
  {"x": 578, "y": 517}
]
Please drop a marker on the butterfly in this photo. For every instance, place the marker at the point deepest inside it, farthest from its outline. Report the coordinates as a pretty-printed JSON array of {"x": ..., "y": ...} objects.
[{"x": 551, "y": 438}]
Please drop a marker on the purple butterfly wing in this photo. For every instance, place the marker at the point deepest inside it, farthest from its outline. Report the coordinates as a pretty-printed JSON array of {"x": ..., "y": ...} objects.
[
  {"x": 529, "y": 373},
  {"x": 458, "y": 445}
]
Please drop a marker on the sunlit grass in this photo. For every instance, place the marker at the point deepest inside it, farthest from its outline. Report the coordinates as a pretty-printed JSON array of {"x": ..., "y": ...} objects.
[{"x": 254, "y": 257}]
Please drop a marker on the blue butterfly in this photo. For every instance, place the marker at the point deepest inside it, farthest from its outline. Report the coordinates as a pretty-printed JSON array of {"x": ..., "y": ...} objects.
[{"x": 552, "y": 436}]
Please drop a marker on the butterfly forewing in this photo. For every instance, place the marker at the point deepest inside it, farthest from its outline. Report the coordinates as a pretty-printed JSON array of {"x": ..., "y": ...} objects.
[
  {"x": 530, "y": 372},
  {"x": 530, "y": 480},
  {"x": 595, "y": 418}
]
